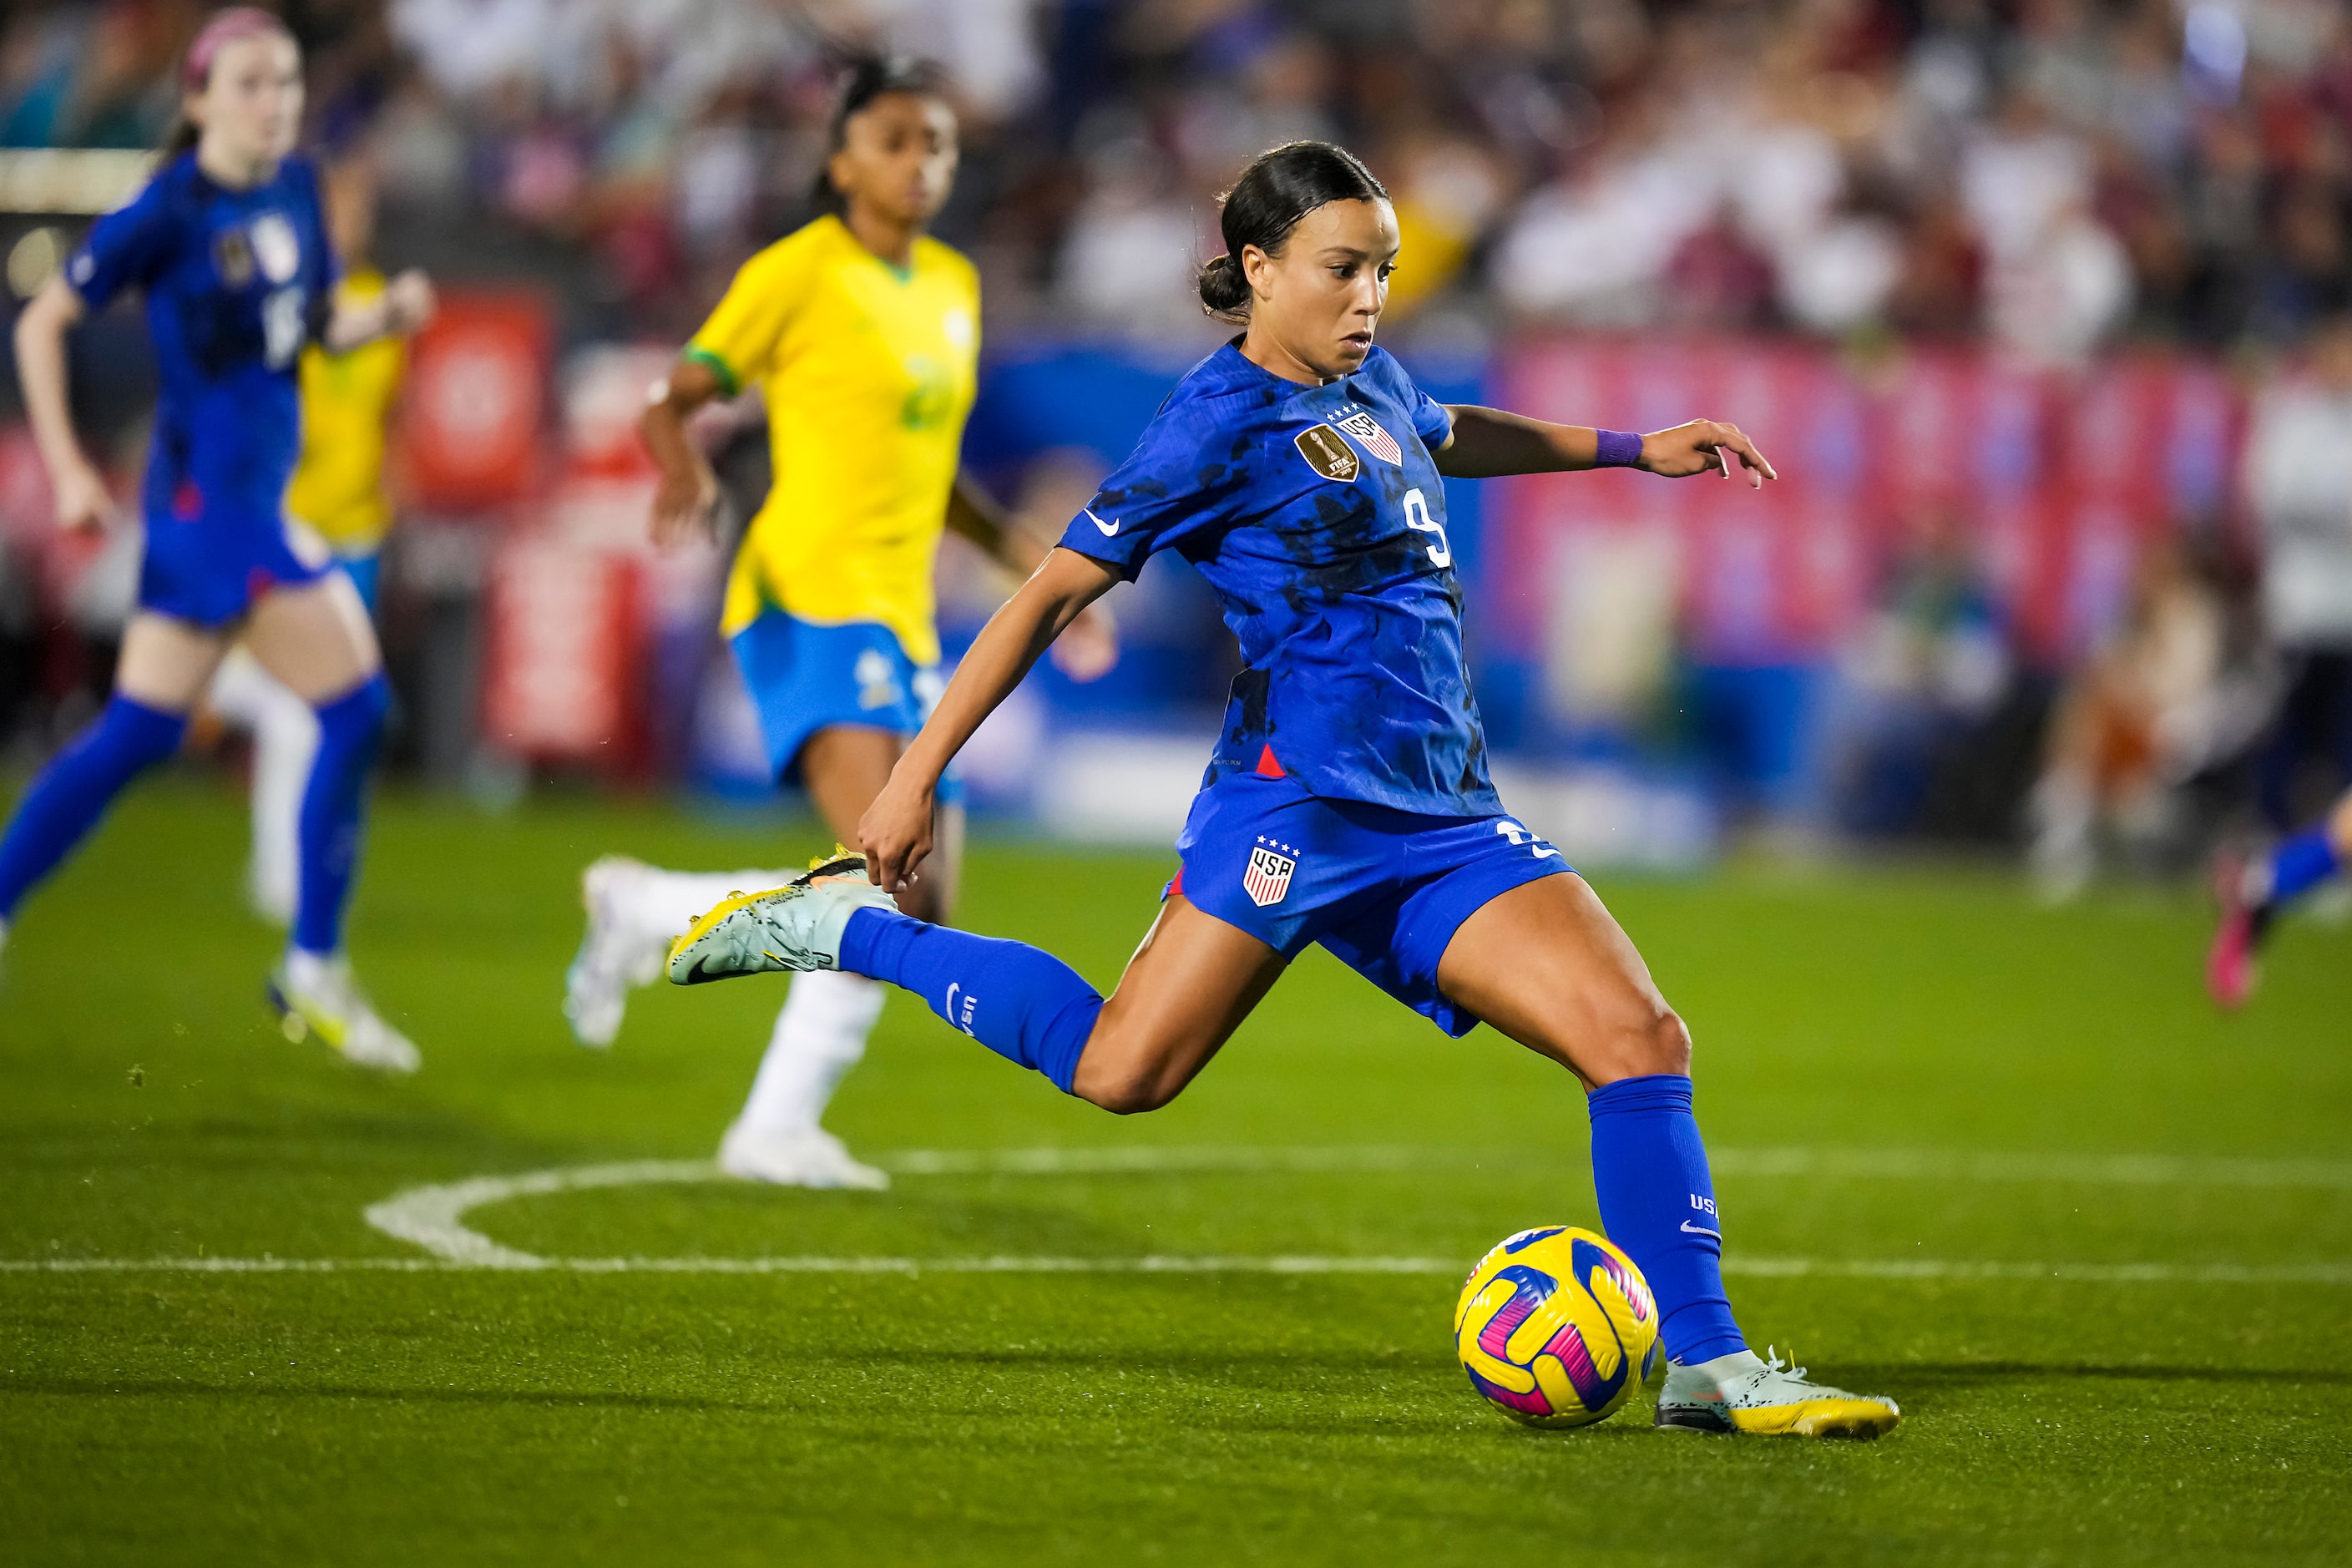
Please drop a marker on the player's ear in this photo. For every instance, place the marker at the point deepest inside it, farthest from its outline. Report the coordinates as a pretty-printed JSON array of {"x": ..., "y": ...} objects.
[{"x": 1258, "y": 267}]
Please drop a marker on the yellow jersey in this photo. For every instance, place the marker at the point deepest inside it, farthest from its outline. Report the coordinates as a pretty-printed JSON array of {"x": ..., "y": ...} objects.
[
  {"x": 338, "y": 483},
  {"x": 869, "y": 373}
]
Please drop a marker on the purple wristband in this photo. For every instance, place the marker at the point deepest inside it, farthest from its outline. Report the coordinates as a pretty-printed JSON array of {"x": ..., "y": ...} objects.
[{"x": 1616, "y": 449}]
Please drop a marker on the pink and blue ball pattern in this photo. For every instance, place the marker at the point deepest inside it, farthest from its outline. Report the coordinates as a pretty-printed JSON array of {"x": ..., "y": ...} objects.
[{"x": 1590, "y": 1297}]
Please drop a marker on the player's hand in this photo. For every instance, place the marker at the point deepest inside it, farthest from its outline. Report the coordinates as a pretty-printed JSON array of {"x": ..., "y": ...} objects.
[
  {"x": 408, "y": 303},
  {"x": 1088, "y": 648},
  {"x": 683, "y": 506},
  {"x": 1702, "y": 445},
  {"x": 896, "y": 831},
  {"x": 84, "y": 504}
]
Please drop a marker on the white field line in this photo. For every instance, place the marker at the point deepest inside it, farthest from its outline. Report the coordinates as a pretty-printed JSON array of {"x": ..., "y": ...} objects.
[
  {"x": 2331, "y": 1274},
  {"x": 433, "y": 1217}
]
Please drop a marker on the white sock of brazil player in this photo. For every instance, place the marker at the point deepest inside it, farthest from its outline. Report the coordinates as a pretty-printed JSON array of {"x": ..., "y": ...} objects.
[
  {"x": 820, "y": 1035},
  {"x": 666, "y": 902},
  {"x": 285, "y": 732}
]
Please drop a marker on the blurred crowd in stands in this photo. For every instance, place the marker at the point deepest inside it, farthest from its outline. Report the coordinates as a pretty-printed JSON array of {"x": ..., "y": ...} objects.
[{"x": 2046, "y": 173}]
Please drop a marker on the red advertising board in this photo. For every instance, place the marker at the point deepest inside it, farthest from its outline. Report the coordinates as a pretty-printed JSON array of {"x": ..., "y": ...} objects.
[{"x": 476, "y": 401}]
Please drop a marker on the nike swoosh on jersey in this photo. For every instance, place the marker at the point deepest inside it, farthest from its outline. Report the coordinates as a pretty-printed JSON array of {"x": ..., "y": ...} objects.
[
  {"x": 1702, "y": 1230},
  {"x": 1109, "y": 527}
]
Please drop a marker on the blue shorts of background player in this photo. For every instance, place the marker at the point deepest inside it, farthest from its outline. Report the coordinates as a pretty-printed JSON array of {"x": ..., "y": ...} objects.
[
  {"x": 206, "y": 563},
  {"x": 803, "y": 677},
  {"x": 1381, "y": 890}
]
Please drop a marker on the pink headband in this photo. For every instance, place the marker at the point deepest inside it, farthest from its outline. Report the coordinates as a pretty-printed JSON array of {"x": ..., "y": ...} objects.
[{"x": 225, "y": 28}]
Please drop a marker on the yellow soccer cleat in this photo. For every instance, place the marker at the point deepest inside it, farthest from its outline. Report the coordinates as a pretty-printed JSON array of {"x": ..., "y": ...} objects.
[
  {"x": 1767, "y": 1397},
  {"x": 315, "y": 996}
]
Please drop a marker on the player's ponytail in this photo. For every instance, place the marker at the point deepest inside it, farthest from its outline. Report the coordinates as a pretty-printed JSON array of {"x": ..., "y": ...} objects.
[
  {"x": 1279, "y": 187},
  {"x": 866, "y": 79},
  {"x": 225, "y": 27}
]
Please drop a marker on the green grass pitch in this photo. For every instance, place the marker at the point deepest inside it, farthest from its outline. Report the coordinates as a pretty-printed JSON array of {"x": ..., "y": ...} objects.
[{"x": 1900, "y": 1070}]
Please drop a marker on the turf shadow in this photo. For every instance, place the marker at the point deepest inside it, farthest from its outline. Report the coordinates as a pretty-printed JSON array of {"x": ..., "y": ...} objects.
[{"x": 75, "y": 1387}]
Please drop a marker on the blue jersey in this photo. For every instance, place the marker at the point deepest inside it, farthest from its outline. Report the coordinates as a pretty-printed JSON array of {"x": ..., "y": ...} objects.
[
  {"x": 1318, "y": 515},
  {"x": 236, "y": 283}
]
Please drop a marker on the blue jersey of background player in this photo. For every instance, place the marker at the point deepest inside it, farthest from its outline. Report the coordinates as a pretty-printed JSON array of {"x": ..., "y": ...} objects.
[
  {"x": 1349, "y": 804},
  {"x": 237, "y": 282},
  {"x": 227, "y": 245}
]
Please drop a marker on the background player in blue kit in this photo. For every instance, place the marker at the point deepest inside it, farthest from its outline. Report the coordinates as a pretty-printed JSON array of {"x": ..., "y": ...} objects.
[
  {"x": 229, "y": 247},
  {"x": 1348, "y": 802}
]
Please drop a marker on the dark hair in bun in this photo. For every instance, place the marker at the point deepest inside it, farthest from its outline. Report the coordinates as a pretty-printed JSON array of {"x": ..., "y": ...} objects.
[
  {"x": 866, "y": 80},
  {"x": 1279, "y": 187}
]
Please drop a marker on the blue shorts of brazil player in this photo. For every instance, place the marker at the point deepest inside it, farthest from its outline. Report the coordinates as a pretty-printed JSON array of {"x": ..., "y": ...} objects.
[
  {"x": 208, "y": 565},
  {"x": 803, "y": 677},
  {"x": 1383, "y": 890}
]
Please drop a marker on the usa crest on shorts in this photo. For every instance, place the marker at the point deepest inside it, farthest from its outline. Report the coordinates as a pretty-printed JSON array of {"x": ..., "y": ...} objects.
[
  {"x": 1267, "y": 877},
  {"x": 1377, "y": 441}
]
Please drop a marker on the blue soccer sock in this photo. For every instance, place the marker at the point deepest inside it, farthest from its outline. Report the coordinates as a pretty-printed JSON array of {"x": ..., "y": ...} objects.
[
  {"x": 2301, "y": 863},
  {"x": 69, "y": 795},
  {"x": 1657, "y": 1202},
  {"x": 329, "y": 827},
  {"x": 1021, "y": 1002}
]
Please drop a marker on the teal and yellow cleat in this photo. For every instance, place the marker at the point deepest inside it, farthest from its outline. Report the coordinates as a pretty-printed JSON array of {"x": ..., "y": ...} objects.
[
  {"x": 318, "y": 997},
  {"x": 1767, "y": 1397},
  {"x": 795, "y": 927}
]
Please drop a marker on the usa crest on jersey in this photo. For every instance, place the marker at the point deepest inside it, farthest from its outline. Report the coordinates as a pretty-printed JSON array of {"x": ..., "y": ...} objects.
[
  {"x": 1377, "y": 441},
  {"x": 1267, "y": 877}
]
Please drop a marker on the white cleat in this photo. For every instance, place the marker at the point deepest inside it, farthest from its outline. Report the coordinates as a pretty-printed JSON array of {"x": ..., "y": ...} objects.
[
  {"x": 318, "y": 997},
  {"x": 807, "y": 1157},
  {"x": 795, "y": 927},
  {"x": 616, "y": 954},
  {"x": 1767, "y": 1397}
]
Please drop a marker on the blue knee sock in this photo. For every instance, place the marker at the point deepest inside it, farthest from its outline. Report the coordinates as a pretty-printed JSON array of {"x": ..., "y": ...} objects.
[
  {"x": 1024, "y": 1005},
  {"x": 1657, "y": 1202},
  {"x": 330, "y": 828},
  {"x": 70, "y": 795},
  {"x": 2301, "y": 863}
]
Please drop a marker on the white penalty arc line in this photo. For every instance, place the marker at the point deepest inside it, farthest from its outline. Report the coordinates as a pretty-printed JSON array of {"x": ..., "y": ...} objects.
[{"x": 433, "y": 1217}]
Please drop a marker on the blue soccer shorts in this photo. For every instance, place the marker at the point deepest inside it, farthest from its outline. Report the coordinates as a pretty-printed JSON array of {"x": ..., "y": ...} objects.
[
  {"x": 803, "y": 677},
  {"x": 208, "y": 563},
  {"x": 1383, "y": 890}
]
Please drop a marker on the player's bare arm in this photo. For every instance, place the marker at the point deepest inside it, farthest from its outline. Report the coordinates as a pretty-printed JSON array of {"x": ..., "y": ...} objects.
[
  {"x": 688, "y": 489},
  {"x": 896, "y": 832},
  {"x": 82, "y": 500},
  {"x": 1490, "y": 443},
  {"x": 403, "y": 307}
]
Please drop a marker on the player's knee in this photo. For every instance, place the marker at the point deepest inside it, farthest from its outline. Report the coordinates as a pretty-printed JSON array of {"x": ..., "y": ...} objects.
[
  {"x": 1122, "y": 1087},
  {"x": 1650, "y": 1040},
  {"x": 1126, "y": 1094}
]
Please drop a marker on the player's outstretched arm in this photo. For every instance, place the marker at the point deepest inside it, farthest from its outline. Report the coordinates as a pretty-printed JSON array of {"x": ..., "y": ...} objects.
[
  {"x": 1488, "y": 443},
  {"x": 896, "y": 831}
]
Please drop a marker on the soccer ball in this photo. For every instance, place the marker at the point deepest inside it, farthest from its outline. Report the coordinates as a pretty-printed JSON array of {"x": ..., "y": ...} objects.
[{"x": 1556, "y": 1327}]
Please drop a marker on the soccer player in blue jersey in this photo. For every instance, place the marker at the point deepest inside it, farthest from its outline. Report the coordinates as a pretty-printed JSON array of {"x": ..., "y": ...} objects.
[
  {"x": 2255, "y": 893},
  {"x": 229, "y": 247},
  {"x": 1348, "y": 804}
]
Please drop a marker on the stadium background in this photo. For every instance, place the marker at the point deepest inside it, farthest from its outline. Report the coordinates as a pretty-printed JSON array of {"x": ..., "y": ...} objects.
[{"x": 1999, "y": 284}]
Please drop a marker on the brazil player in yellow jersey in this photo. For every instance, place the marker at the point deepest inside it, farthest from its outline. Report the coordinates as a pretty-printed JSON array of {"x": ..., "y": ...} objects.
[
  {"x": 863, "y": 334},
  {"x": 337, "y": 493}
]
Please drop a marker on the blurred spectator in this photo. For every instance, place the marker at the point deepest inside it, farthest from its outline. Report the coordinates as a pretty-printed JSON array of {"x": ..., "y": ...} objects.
[
  {"x": 2168, "y": 696},
  {"x": 2299, "y": 478}
]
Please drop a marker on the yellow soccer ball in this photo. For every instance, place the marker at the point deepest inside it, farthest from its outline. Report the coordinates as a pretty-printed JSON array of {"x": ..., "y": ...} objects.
[{"x": 1556, "y": 1327}]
